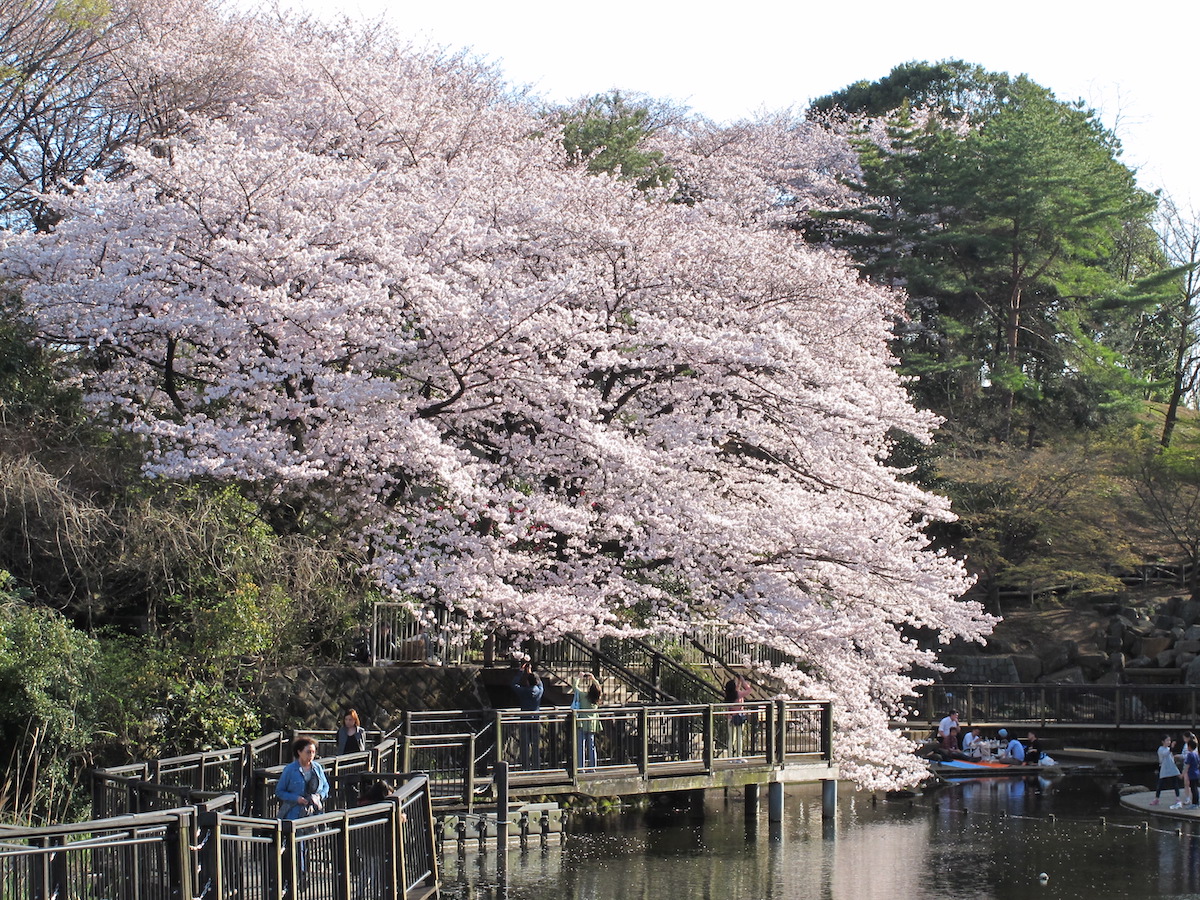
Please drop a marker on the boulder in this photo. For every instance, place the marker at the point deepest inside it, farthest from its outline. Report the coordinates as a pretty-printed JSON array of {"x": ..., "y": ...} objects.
[
  {"x": 1029, "y": 668},
  {"x": 999, "y": 646},
  {"x": 1166, "y": 659},
  {"x": 1110, "y": 678},
  {"x": 1191, "y": 675},
  {"x": 1166, "y": 623},
  {"x": 1189, "y": 611},
  {"x": 1093, "y": 664},
  {"x": 1054, "y": 657},
  {"x": 1152, "y": 646},
  {"x": 1188, "y": 646},
  {"x": 1071, "y": 675},
  {"x": 1117, "y": 661},
  {"x": 1191, "y": 633}
]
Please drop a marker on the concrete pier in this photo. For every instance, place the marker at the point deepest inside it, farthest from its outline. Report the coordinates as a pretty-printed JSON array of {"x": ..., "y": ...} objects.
[{"x": 775, "y": 802}]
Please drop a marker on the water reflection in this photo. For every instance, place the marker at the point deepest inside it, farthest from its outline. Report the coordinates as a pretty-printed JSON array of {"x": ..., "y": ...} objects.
[{"x": 987, "y": 838}]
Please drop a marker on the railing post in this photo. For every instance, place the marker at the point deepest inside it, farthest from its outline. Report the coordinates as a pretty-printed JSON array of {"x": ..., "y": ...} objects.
[
  {"x": 288, "y": 885},
  {"x": 344, "y": 890},
  {"x": 573, "y": 737},
  {"x": 827, "y": 730},
  {"x": 500, "y": 754},
  {"x": 709, "y": 738},
  {"x": 374, "y": 635},
  {"x": 969, "y": 710},
  {"x": 469, "y": 779},
  {"x": 41, "y": 881},
  {"x": 210, "y": 881},
  {"x": 500, "y": 778},
  {"x": 1117, "y": 706},
  {"x": 643, "y": 761},
  {"x": 780, "y": 731}
]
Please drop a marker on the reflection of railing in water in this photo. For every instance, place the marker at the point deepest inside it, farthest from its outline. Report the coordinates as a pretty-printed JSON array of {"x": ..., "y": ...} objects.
[{"x": 1055, "y": 705}]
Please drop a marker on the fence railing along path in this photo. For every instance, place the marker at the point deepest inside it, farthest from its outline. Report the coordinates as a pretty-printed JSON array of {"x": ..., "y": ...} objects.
[
  {"x": 1050, "y": 706},
  {"x": 207, "y": 852},
  {"x": 632, "y": 749}
]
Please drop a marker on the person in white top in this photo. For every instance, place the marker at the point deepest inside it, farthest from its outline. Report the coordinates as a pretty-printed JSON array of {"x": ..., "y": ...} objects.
[
  {"x": 944, "y": 726},
  {"x": 969, "y": 741}
]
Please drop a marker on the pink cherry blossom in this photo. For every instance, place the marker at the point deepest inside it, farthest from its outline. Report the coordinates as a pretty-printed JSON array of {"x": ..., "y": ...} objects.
[{"x": 365, "y": 279}]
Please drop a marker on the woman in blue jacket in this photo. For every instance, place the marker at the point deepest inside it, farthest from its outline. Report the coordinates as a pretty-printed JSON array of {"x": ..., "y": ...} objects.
[{"x": 302, "y": 786}]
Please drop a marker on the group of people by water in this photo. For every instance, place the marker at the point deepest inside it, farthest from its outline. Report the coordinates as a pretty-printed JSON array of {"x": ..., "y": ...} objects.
[
  {"x": 303, "y": 787},
  {"x": 1171, "y": 754},
  {"x": 954, "y": 742}
]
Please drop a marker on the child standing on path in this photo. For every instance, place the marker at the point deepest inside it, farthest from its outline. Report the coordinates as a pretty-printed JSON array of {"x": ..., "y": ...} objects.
[
  {"x": 1191, "y": 774},
  {"x": 1168, "y": 772}
]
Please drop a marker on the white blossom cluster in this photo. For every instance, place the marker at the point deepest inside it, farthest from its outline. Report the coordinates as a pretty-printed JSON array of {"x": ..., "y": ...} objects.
[{"x": 369, "y": 280}]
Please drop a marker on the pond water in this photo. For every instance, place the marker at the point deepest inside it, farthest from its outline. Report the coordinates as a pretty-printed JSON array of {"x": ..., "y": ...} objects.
[{"x": 984, "y": 838}]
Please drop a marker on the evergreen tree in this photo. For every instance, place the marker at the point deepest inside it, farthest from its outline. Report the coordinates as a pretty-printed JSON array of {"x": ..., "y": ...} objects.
[{"x": 1002, "y": 218}]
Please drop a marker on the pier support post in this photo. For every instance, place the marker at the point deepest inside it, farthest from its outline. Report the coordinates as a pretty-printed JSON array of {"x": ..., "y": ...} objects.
[
  {"x": 752, "y": 801},
  {"x": 500, "y": 774},
  {"x": 829, "y": 798},
  {"x": 775, "y": 801}
]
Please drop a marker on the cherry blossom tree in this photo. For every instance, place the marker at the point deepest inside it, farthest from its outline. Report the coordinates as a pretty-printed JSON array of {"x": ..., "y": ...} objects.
[{"x": 376, "y": 292}]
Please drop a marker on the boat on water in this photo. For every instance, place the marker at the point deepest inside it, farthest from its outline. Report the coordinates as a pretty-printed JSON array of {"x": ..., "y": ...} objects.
[{"x": 965, "y": 768}]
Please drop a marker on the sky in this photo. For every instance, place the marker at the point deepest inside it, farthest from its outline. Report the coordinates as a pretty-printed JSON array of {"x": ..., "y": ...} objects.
[{"x": 731, "y": 60}]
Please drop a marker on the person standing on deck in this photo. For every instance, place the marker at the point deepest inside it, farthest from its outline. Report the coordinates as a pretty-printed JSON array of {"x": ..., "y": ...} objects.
[
  {"x": 736, "y": 690},
  {"x": 1191, "y": 774},
  {"x": 1168, "y": 771},
  {"x": 528, "y": 688},
  {"x": 587, "y": 721}
]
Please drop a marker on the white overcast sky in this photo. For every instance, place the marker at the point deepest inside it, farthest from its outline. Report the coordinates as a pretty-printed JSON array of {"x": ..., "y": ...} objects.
[{"x": 1133, "y": 63}]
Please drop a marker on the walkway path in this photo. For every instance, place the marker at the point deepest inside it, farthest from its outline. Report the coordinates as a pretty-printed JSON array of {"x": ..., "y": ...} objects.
[{"x": 1141, "y": 802}]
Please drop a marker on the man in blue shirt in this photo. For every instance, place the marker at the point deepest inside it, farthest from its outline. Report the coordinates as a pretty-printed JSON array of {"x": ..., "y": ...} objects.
[{"x": 1015, "y": 751}]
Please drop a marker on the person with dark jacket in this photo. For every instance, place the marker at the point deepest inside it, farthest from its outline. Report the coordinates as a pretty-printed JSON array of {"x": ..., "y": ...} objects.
[{"x": 528, "y": 688}]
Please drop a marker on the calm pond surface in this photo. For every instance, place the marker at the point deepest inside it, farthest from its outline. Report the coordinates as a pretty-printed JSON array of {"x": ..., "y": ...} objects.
[{"x": 983, "y": 838}]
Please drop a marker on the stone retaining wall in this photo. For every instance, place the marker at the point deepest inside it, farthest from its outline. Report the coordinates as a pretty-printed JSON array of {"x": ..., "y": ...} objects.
[{"x": 316, "y": 697}]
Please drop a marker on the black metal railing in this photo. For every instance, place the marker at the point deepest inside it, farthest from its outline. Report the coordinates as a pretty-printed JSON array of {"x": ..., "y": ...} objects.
[
  {"x": 145, "y": 856},
  {"x": 552, "y": 746},
  {"x": 383, "y": 850},
  {"x": 1051, "y": 705}
]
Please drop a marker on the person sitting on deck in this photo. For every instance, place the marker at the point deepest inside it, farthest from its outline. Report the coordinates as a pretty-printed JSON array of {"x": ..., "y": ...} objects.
[
  {"x": 949, "y": 740},
  {"x": 970, "y": 743},
  {"x": 1033, "y": 753},
  {"x": 1014, "y": 752}
]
